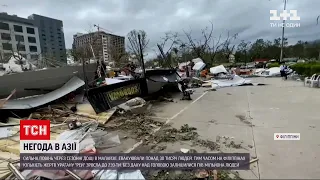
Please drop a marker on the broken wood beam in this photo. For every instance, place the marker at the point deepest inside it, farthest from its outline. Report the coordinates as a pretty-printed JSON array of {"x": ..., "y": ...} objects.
[{"x": 4, "y": 101}]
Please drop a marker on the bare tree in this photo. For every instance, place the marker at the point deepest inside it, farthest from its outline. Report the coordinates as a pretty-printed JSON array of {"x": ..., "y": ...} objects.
[
  {"x": 134, "y": 47},
  {"x": 169, "y": 45},
  {"x": 209, "y": 45},
  {"x": 200, "y": 46},
  {"x": 119, "y": 56},
  {"x": 169, "y": 42}
]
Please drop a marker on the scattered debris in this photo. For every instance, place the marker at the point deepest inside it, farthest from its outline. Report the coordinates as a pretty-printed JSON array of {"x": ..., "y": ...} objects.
[
  {"x": 3, "y": 101},
  {"x": 232, "y": 144},
  {"x": 161, "y": 98},
  {"x": 229, "y": 94},
  {"x": 215, "y": 175},
  {"x": 138, "y": 125},
  {"x": 74, "y": 125},
  {"x": 218, "y": 139},
  {"x": 36, "y": 101},
  {"x": 213, "y": 146},
  {"x": 224, "y": 174},
  {"x": 201, "y": 174},
  {"x": 211, "y": 89},
  {"x": 184, "y": 150},
  {"x": 169, "y": 175},
  {"x": 243, "y": 119},
  {"x": 212, "y": 121},
  {"x": 253, "y": 160},
  {"x": 250, "y": 146},
  {"x": 136, "y": 105}
]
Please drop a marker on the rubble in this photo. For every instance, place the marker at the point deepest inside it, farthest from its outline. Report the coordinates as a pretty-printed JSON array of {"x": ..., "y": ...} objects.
[
  {"x": 17, "y": 64},
  {"x": 213, "y": 146},
  {"x": 78, "y": 120},
  {"x": 244, "y": 120}
]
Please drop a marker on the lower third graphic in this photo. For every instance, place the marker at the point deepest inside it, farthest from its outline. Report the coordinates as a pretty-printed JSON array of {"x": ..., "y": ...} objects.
[{"x": 287, "y": 136}]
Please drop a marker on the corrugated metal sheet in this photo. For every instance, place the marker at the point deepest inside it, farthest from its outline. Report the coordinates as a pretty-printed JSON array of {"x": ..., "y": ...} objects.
[{"x": 31, "y": 102}]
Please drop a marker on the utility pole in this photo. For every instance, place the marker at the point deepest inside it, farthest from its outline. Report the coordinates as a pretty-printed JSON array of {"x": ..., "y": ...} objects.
[
  {"x": 282, "y": 40},
  {"x": 141, "y": 57}
]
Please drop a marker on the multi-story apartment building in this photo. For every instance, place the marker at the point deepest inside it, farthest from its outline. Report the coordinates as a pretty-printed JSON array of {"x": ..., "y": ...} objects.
[
  {"x": 18, "y": 35},
  {"x": 51, "y": 37},
  {"x": 105, "y": 46},
  {"x": 40, "y": 37}
]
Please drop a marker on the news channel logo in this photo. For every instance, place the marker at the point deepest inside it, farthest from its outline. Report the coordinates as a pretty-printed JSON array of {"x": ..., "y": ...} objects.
[
  {"x": 286, "y": 136},
  {"x": 285, "y": 15}
]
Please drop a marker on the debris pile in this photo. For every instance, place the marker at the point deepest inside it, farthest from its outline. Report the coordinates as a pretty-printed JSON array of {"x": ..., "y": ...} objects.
[{"x": 16, "y": 64}]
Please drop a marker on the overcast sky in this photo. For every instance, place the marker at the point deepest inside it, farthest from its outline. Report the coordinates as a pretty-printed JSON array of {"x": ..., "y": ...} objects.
[{"x": 249, "y": 18}]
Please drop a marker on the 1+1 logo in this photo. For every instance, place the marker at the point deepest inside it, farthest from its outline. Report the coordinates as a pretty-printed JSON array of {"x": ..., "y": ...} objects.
[{"x": 292, "y": 15}]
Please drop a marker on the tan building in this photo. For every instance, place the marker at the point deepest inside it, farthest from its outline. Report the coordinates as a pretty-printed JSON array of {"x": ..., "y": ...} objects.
[{"x": 107, "y": 47}]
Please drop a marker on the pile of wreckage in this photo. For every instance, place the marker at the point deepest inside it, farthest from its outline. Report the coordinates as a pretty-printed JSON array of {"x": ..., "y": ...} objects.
[
  {"x": 72, "y": 118},
  {"x": 77, "y": 107},
  {"x": 217, "y": 77}
]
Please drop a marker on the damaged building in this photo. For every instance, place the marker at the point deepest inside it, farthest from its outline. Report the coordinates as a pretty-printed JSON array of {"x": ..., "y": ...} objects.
[
  {"x": 32, "y": 37},
  {"x": 105, "y": 45}
]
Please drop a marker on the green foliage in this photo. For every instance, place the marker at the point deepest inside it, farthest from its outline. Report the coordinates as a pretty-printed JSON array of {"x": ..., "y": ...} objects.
[
  {"x": 306, "y": 69},
  {"x": 262, "y": 48},
  {"x": 273, "y": 65}
]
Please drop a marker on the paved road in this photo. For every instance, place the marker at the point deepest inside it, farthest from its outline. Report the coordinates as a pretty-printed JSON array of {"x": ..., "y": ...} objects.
[{"x": 250, "y": 116}]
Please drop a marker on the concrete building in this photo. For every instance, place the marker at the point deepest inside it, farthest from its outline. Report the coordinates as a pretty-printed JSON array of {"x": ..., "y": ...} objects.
[
  {"x": 18, "y": 35},
  {"x": 51, "y": 37},
  {"x": 107, "y": 47}
]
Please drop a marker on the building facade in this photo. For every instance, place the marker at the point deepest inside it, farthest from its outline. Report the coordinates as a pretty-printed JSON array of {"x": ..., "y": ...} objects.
[
  {"x": 51, "y": 37},
  {"x": 18, "y": 35},
  {"x": 106, "y": 47}
]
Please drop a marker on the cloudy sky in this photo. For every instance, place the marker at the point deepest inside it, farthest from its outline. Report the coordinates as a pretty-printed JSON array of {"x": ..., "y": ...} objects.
[{"x": 249, "y": 18}]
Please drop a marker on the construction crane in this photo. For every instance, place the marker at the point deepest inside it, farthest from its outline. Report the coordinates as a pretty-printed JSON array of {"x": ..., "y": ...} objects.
[{"x": 98, "y": 27}]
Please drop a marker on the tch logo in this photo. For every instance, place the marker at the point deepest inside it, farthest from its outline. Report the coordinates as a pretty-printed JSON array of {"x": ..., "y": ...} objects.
[{"x": 34, "y": 129}]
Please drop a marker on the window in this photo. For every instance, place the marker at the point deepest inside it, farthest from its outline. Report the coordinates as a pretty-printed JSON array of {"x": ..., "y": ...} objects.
[
  {"x": 4, "y": 26},
  {"x": 7, "y": 46},
  {"x": 30, "y": 30},
  {"x": 17, "y": 28},
  {"x": 7, "y": 55},
  {"x": 19, "y": 38},
  {"x": 34, "y": 56},
  {"x": 21, "y": 47},
  {"x": 5, "y": 36},
  {"x": 43, "y": 35},
  {"x": 32, "y": 40},
  {"x": 24, "y": 55},
  {"x": 33, "y": 48},
  {"x": 60, "y": 49}
]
